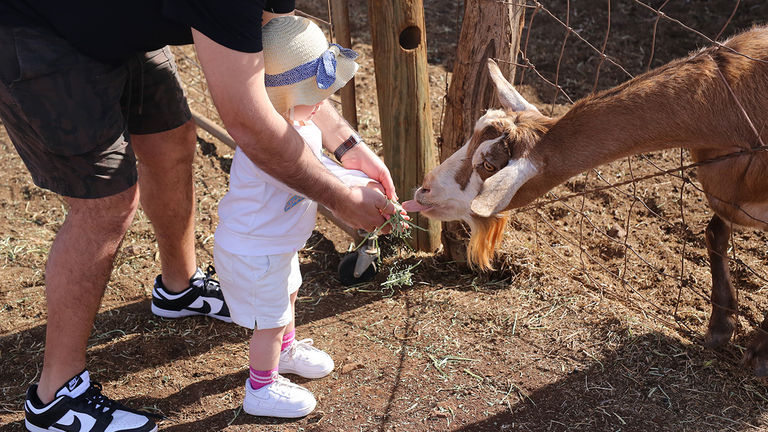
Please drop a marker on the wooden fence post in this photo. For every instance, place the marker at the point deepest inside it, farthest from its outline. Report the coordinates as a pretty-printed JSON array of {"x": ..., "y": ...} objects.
[
  {"x": 341, "y": 33},
  {"x": 489, "y": 30},
  {"x": 402, "y": 84}
]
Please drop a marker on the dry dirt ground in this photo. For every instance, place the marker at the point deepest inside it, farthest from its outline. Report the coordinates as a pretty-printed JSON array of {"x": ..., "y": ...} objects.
[{"x": 591, "y": 322}]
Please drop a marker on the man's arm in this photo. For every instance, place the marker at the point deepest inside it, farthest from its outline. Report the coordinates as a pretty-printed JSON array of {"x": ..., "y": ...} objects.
[{"x": 236, "y": 83}]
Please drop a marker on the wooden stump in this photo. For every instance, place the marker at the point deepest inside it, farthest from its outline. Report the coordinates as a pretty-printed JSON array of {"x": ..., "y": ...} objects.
[{"x": 402, "y": 85}]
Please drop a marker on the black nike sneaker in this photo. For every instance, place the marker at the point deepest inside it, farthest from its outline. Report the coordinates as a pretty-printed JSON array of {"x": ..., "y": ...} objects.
[
  {"x": 203, "y": 297},
  {"x": 79, "y": 406}
]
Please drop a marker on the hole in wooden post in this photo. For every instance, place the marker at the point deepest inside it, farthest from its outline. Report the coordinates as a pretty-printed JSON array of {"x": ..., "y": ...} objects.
[{"x": 410, "y": 38}]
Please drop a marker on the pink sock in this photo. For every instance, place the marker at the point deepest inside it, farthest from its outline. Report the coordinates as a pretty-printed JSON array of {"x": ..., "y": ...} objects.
[
  {"x": 288, "y": 339},
  {"x": 261, "y": 378}
]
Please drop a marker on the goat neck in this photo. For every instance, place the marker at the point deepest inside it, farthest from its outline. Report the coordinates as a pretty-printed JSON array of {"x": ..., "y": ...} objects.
[{"x": 683, "y": 104}]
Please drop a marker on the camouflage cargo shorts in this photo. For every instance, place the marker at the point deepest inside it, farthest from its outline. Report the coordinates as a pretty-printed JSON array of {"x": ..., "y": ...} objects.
[{"x": 70, "y": 116}]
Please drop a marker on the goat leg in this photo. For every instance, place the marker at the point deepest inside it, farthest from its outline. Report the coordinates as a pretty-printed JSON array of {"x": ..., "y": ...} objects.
[
  {"x": 756, "y": 355},
  {"x": 722, "y": 322}
]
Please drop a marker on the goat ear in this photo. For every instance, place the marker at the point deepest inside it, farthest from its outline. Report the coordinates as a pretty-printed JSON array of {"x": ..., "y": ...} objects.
[
  {"x": 509, "y": 97},
  {"x": 499, "y": 189}
]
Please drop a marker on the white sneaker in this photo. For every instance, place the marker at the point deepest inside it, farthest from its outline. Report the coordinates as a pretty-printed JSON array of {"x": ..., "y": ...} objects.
[
  {"x": 304, "y": 360},
  {"x": 282, "y": 398}
]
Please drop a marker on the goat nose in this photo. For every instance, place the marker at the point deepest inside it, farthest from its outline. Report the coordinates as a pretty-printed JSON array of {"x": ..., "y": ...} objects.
[{"x": 426, "y": 184}]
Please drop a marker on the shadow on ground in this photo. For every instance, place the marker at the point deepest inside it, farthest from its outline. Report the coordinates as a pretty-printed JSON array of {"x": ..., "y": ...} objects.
[{"x": 653, "y": 383}]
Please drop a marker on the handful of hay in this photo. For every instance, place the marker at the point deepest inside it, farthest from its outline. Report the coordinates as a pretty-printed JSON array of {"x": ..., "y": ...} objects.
[{"x": 401, "y": 229}]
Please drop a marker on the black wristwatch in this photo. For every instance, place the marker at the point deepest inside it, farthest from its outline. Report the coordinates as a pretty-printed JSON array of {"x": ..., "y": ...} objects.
[{"x": 350, "y": 142}]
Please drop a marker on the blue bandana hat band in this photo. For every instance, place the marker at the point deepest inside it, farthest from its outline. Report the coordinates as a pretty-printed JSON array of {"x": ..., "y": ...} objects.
[{"x": 323, "y": 68}]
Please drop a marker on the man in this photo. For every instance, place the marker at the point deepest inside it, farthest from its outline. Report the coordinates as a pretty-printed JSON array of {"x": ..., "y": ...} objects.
[{"x": 86, "y": 91}]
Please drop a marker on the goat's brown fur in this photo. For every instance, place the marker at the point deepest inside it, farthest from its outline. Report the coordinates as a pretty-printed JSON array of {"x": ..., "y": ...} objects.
[
  {"x": 714, "y": 103},
  {"x": 520, "y": 130},
  {"x": 685, "y": 103}
]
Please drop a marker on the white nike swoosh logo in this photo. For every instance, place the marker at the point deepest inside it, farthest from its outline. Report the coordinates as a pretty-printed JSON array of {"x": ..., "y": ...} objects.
[
  {"x": 34, "y": 410},
  {"x": 214, "y": 303}
]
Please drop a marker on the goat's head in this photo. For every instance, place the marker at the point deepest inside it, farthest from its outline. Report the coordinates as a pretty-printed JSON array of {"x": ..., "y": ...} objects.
[{"x": 477, "y": 183}]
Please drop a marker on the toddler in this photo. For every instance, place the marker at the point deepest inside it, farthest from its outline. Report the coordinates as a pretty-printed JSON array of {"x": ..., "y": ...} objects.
[{"x": 263, "y": 223}]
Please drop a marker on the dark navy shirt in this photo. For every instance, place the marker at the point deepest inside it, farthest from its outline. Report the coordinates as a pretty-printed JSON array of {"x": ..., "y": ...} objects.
[{"x": 113, "y": 30}]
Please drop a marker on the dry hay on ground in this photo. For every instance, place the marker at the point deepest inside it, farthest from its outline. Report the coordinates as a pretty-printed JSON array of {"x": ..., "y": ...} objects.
[{"x": 586, "y": 325}]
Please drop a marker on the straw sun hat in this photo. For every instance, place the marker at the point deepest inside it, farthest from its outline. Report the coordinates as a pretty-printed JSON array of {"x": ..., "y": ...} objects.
[{"x": 301, "y": 67}]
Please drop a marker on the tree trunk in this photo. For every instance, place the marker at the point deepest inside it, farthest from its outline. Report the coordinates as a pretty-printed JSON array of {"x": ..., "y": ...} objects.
[{"x": 489, "y": 30}]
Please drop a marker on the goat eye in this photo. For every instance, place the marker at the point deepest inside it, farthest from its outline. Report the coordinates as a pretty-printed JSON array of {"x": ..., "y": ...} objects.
[{"x": 488, "y": 167}]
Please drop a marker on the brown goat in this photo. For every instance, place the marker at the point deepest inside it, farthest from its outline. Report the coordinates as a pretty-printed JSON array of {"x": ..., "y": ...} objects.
[{"x": 713, "y": 103}]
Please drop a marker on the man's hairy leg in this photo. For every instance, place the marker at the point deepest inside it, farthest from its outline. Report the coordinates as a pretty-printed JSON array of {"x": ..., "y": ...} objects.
[
  {"x": 167, "y": 197},
  {"x": 78, "y": 269}
]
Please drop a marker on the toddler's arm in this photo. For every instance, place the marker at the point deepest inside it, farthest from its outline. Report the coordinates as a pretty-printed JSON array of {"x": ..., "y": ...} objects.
[{"x": 350, "y": 177}]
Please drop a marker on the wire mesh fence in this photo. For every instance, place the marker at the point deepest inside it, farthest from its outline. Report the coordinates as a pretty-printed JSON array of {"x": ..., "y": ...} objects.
[{"x": 633, "y": 229}]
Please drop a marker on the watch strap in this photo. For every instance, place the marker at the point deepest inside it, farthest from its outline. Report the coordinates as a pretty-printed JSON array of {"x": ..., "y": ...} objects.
[{"x": 344, "y": 147}]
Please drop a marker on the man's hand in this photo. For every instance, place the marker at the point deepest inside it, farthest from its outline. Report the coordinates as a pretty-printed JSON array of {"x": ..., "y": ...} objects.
[
  {"x": 365, "y": 208},
  {"x": 361, "y": 157}
]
